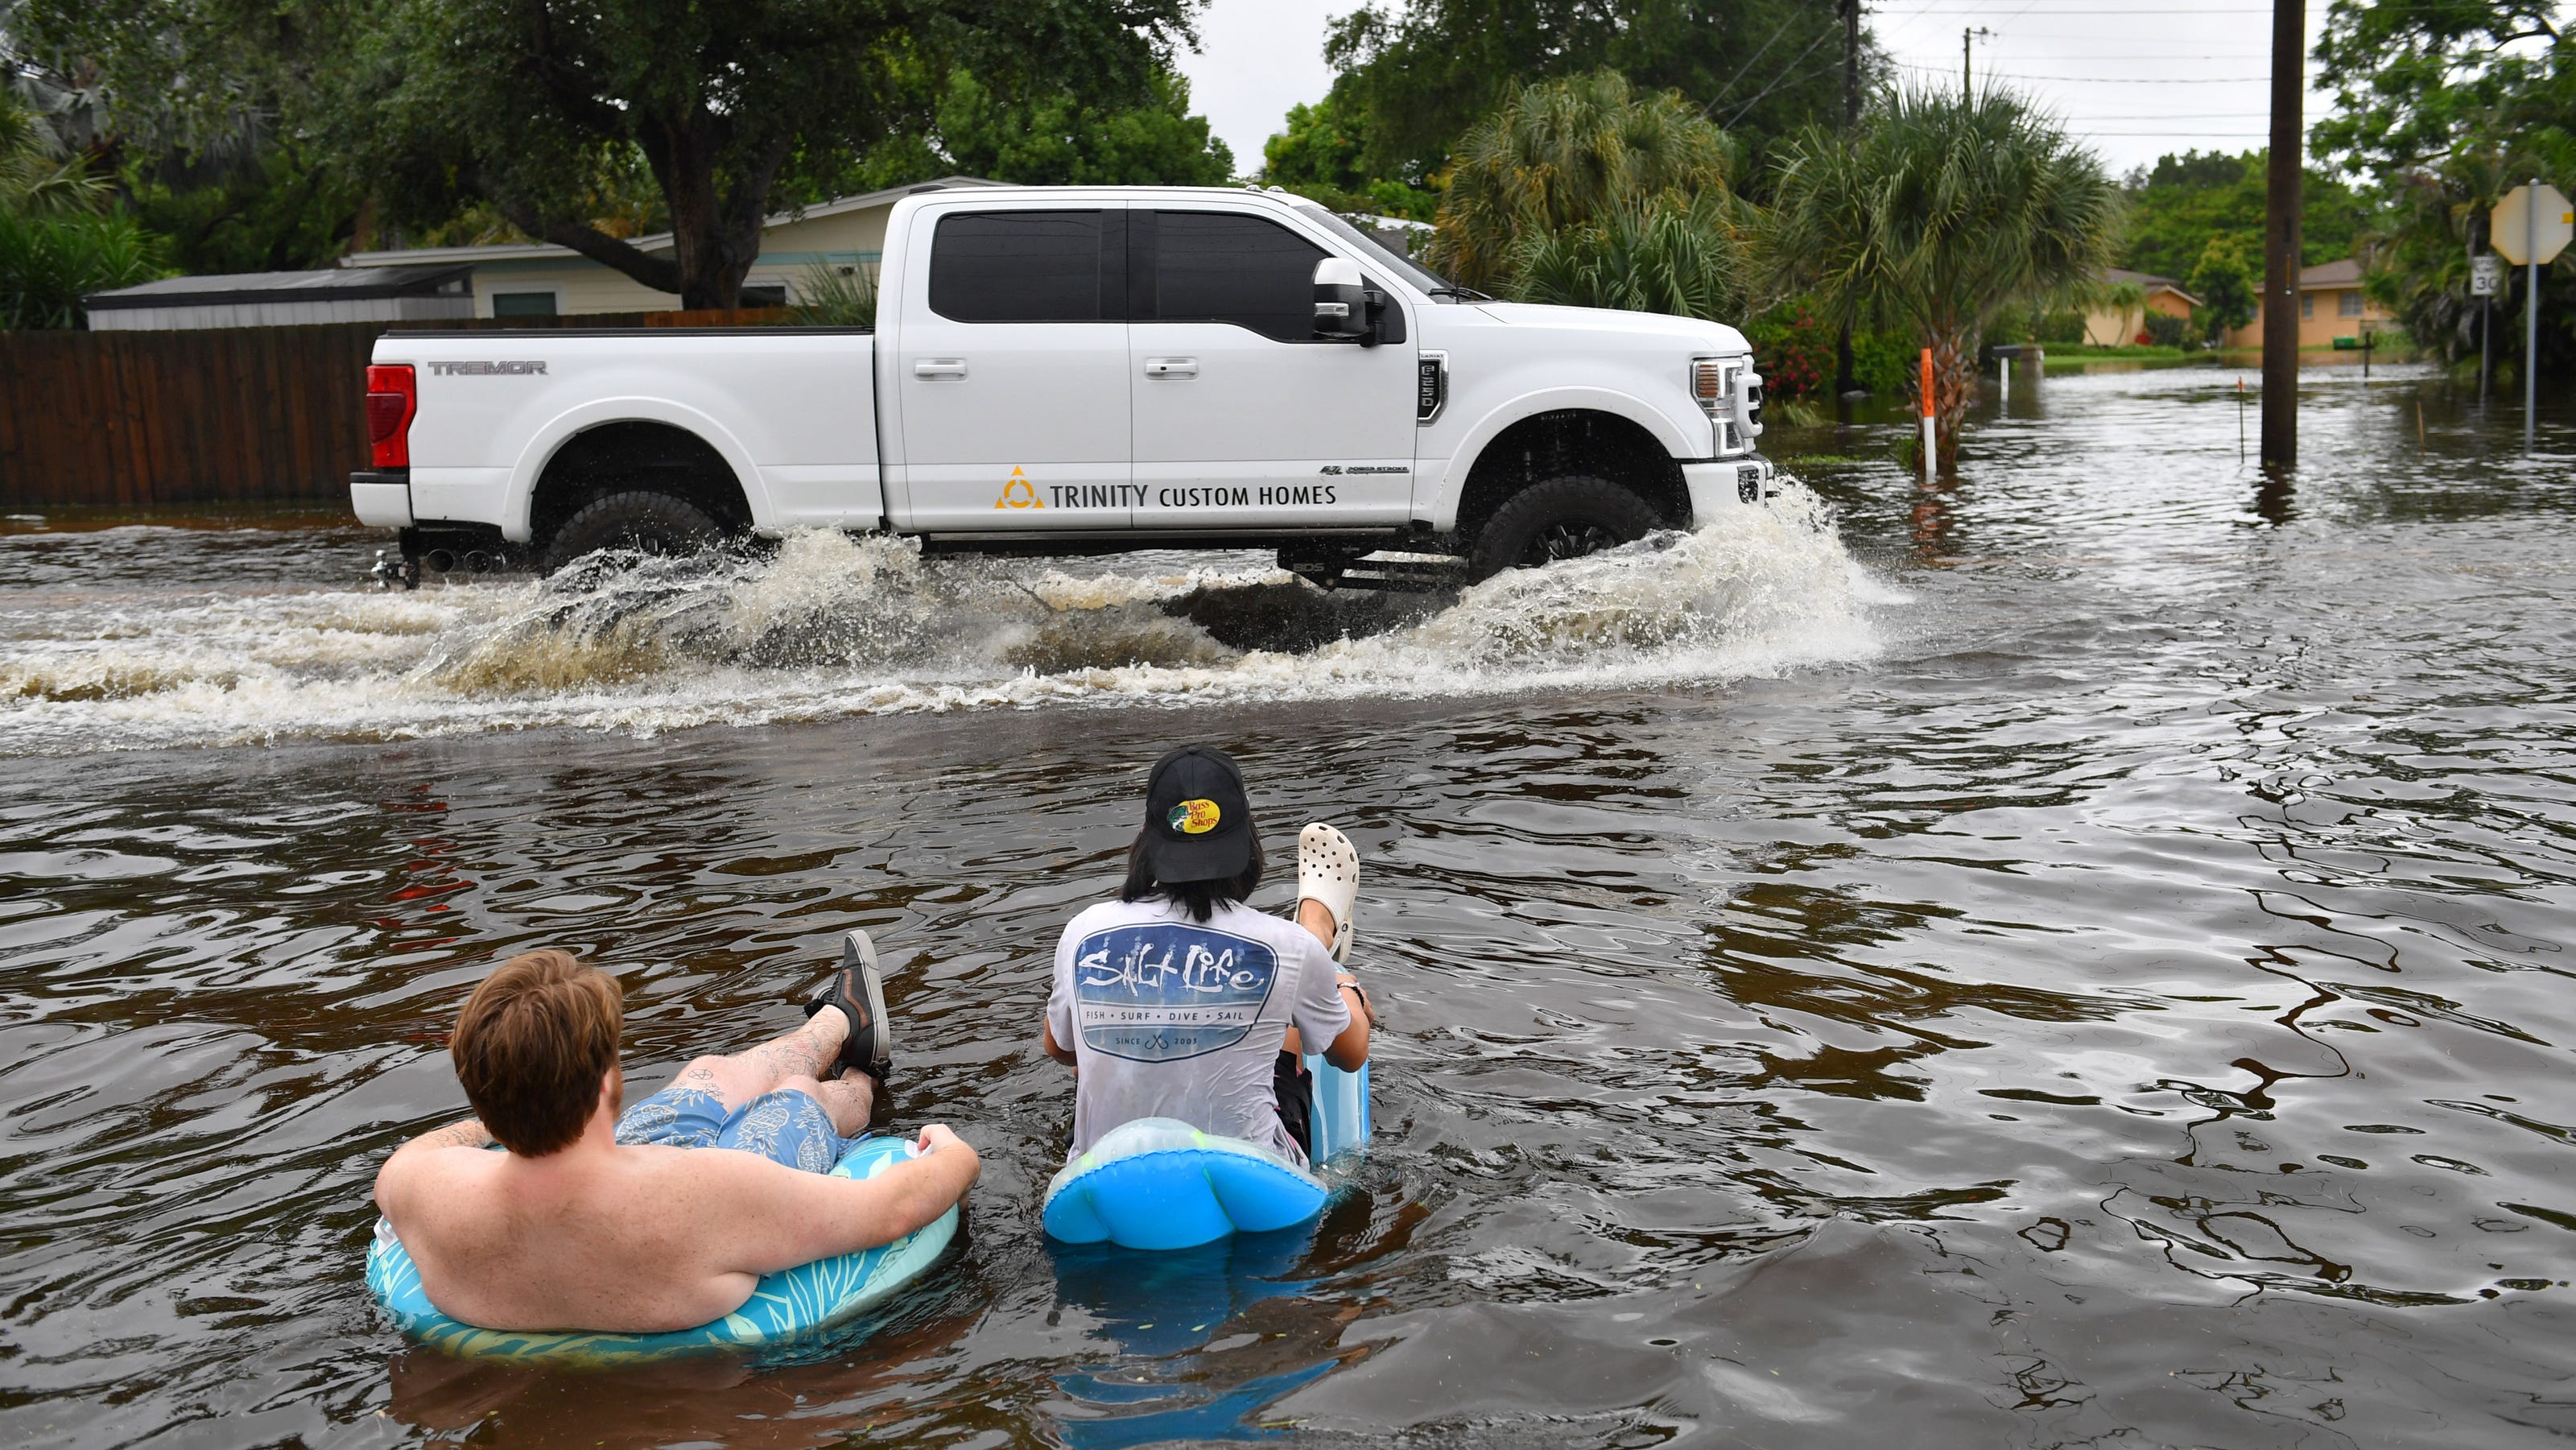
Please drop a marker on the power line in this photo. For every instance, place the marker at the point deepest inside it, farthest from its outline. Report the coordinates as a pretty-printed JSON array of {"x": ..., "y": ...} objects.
[
  {"x": 2103, "y": 80},
  {"x": 1988, "y": 10},
  {"x": 1785, "y": 75},
  {"x": 1777, "y": 31}
]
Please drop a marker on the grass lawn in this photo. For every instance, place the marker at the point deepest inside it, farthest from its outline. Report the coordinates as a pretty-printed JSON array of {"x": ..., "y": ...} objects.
[{"x": 2086, "y": 353}]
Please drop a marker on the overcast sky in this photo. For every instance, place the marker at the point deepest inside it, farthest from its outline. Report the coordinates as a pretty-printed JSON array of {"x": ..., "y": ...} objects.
[{"x": 2134, "y": 78}]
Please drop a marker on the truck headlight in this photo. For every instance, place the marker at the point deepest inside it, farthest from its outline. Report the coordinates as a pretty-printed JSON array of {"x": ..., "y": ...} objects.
[
  {"x": 1708, "y": 384},
  {"x": 1730, "y": 391}
]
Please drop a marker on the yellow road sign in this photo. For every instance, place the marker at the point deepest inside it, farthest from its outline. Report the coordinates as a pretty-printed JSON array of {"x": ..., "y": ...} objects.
[{"x": 2531, "y": 224}]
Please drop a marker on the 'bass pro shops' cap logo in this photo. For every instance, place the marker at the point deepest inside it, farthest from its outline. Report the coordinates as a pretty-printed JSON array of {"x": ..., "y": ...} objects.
[{"x": 1194, "y": 818}]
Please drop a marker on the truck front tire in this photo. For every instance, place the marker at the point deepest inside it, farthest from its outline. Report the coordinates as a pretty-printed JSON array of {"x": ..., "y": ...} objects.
[
  {"x": 1565, "y": 517},
  {"x": 649, "y": 522}
]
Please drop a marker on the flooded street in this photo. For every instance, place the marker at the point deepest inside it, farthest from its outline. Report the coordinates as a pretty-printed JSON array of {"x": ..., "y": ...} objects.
[{"x": 2077, "y": 955}]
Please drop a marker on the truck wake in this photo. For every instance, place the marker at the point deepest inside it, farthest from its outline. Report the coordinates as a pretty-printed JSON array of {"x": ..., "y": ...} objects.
[{"x": 827, "y": 626}]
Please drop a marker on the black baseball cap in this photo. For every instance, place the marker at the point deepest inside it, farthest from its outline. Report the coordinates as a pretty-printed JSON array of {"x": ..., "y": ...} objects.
[{"x": 1198, "y": 824}]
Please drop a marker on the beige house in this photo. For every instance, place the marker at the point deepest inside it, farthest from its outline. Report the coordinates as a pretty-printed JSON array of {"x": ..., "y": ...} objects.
[
  {"x": 2109, "y": 325},
  {"x": 2331, "y": 305},
  {"x": 540, "y": 279}
]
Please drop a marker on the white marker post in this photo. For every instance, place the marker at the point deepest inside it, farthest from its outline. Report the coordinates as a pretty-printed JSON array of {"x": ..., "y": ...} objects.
[
  {"x": 2532, "y": 225},
  {"x": 1930, "y": 459}
]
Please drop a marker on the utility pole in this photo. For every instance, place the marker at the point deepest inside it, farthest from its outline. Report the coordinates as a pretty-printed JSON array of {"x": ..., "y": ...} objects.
[
  {"x": 2281, "y": 204},
  {"x": 1967, "y": 83},
  {"x": 1844, "y": 382}
]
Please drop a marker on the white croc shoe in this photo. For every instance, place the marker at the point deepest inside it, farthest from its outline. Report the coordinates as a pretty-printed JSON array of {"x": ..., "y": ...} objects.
[{"x": 1328, "y": 870}]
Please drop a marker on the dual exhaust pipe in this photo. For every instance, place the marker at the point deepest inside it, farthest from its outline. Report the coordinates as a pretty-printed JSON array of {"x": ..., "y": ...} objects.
[{"x": 404, "y": 571}]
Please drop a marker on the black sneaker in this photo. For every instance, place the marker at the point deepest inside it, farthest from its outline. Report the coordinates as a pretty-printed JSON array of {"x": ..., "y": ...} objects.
[{"x": 859, "y": 991}]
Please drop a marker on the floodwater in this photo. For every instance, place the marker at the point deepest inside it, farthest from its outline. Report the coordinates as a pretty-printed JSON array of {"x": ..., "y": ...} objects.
[{"x": 2073, "y": 956}]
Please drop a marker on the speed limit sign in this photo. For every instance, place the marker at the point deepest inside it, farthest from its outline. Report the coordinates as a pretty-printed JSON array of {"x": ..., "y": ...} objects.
[{"x": 2486, "y": 275}]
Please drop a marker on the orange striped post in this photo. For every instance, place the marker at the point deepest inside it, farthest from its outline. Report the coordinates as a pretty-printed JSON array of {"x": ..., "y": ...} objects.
[{"x": 1930, "y": 459}]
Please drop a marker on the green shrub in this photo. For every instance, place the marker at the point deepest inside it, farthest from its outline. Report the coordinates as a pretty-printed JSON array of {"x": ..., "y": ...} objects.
[
  {"x": 1884, "y": 362},
  {"x": 834, "y": 297},
  {"x": 47, "y": 264},
  {"x": 2060, "y": 329},
  {"x": 2163, "y": 331}
]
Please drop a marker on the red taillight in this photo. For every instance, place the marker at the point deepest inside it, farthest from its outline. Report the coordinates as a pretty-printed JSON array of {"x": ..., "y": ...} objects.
[{"x": 391, "y": 402}]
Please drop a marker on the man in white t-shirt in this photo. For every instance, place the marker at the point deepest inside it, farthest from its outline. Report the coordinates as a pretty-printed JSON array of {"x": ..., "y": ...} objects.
[{"x": 1178, "y": 1001}]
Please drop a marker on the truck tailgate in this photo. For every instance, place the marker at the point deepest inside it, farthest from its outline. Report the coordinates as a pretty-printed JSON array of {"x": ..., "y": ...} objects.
[{"x": 791, "y": 410}]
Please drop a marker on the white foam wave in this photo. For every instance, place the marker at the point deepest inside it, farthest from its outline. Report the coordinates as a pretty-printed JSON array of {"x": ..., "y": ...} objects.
[{"x": 832, "y": 626}]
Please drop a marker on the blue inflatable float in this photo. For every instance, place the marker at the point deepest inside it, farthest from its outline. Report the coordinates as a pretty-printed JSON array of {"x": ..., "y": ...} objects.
[
  {"x": 1158, "y": 1183},
  {"x": 783, "y": 1306}
]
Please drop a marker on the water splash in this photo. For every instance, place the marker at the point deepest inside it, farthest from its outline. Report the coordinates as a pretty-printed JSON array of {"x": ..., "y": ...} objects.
[{"x": 827, "y": 625}]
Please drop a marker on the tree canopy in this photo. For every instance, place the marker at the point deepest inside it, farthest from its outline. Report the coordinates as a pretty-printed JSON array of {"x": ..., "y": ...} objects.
[
  {"x": 2228, "y": 283},
  {"x": 2443, "y": 108},
  {"x": 2179, "y": 204},
  {"x": 1412, "y": 81},
  {"x": 2413, "y": 79},
  {"x": 733, "y": 111}
]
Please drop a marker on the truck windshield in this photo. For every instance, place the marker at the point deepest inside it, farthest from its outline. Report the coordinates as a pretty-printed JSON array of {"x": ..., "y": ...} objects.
[{"x": 1411, "y": 271}]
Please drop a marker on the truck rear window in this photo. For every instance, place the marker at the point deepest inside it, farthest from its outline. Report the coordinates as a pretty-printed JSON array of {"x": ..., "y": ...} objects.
[{"x": 1026, "y": 266}]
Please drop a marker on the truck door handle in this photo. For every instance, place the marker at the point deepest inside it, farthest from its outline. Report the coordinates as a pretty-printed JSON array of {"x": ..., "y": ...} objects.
[
  {"x": 1171, "y": 367},
  {"x": 939, "y": 367}
]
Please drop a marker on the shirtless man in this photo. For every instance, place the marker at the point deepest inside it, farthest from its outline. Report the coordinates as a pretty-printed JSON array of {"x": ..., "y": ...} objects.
[{"x": 595, "y": 1221}]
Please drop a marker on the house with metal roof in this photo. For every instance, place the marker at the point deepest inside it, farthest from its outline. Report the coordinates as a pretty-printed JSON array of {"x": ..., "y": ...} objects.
[
  {"x": 541, "y": 279},
  {"x": 418, "y": 292}
]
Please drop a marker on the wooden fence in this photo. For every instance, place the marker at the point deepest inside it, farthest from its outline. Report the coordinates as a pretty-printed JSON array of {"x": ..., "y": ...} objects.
[{"x": 236, "y": 415}]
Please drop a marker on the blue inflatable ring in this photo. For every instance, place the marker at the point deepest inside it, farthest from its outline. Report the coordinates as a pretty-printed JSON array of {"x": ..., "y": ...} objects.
[
  {"x": 783, "y": 1306},
  {"x": 1158, "y": 1183}
]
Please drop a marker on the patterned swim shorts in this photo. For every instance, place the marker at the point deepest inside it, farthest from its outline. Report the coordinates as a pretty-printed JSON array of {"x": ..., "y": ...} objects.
[{"x": 784, "y": 1127}]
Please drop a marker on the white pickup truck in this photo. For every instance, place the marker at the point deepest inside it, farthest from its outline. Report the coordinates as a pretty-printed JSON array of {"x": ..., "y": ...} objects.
[{"x": 1070, "y": 370}]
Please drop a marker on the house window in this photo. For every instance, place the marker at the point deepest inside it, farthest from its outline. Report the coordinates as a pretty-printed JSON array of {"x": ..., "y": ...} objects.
[
  {"x": 2307, "y": 304},
  {"x": 523, "y": 304},
  {"x": 2348, "y": 302}
]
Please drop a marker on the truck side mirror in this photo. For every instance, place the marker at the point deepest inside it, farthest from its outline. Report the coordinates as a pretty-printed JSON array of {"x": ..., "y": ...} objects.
[{"x": 1341, "y": 308}]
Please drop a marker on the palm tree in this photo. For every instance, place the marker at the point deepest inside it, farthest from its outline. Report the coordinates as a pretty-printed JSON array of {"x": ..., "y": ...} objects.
[
  {"x": 2128, "y": 302},
  {"x": 1662, "y": 255},
  {"x": 1943, "y": 211},
  {"x": 1563, "y": 154},
  {"x": 38, "y": 177},
  {"x": 58, "y": 242}
]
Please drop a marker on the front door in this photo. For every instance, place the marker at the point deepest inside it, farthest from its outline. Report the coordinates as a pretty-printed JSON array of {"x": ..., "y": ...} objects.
[
  {"x": 1243, "y": 418},
  {"x": 1012, "y": 374}
]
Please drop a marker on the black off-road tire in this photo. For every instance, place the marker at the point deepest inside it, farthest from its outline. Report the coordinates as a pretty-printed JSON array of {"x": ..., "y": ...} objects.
[
  {"x": 647, "y": 521},
  {"x": 1565, "y": 517}
]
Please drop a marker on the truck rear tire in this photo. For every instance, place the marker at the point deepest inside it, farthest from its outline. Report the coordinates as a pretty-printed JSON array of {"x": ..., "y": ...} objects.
[
  {"x": 646, "y": 521},
  {"x": 1565, "y": 517}
]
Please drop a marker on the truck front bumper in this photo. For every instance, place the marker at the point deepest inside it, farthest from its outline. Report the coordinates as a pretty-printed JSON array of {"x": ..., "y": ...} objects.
[
  {"x": 1720, "y": 484},
  {"x": 382, "y": 500}
]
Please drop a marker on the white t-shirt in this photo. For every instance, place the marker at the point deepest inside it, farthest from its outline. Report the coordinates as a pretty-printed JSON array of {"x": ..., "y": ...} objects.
[{"x": 1169, "y": 1018}]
